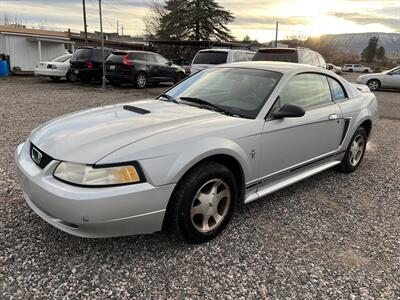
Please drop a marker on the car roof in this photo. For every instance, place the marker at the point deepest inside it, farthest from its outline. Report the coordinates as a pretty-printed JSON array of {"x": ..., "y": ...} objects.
[
  {"x": 276, "y": 66},
  {"x": 224, "y": 50}
]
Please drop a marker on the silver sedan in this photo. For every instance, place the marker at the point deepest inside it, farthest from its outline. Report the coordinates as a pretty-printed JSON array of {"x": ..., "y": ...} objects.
[
  {"x": 230, "y": 134},
  {"x": 386, "y": 80}
]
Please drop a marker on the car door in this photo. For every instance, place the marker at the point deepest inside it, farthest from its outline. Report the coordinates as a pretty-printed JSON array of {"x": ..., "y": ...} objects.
[
  {"x": 166, "y": 69},
  {"x": 392, "y": 79},
  {"x": 292, "y": 142},
  {"x": 152, "y": 67}
]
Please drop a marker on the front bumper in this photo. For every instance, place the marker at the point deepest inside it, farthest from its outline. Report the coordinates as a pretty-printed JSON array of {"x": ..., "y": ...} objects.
[{"x": 91, "y": 212}]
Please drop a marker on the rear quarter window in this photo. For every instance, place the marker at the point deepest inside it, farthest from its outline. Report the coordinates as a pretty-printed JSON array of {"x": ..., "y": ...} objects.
[{"x": 137, "y": 56}]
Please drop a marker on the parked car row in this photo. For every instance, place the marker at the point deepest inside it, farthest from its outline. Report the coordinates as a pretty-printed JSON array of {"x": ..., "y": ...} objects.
[{"x": 143, "y": 67}]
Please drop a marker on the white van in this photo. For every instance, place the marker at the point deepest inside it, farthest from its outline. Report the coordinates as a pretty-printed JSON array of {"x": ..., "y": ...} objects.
[{"x": 209, "y": 57}]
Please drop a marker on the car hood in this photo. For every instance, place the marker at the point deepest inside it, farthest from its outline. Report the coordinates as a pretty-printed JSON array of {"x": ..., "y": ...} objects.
[{"x": 88, "y": 136}]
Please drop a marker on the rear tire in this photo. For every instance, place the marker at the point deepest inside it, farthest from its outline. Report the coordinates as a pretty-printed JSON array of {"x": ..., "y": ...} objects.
[
  {"x": 140, "y": 81},
  {"x": 71, "y": 77},
  {"x": 203, "y": 203},
  {"x": 351, "y": 70},
  {"x": 355, "y": 152}
]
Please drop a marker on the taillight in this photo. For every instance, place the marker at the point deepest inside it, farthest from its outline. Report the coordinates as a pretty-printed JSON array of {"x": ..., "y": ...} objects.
[
  {"x": 125, "y": 60},
  {"x": 89, "y": 64}
]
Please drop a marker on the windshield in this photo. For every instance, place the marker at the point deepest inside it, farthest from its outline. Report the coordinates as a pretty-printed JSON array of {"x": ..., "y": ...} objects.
[
  {"x": 62, "y": 58},
  {"x": 241, "y": 92},
  {"x": 210, "y": 58},
  {"x": 391, "y": 70}
]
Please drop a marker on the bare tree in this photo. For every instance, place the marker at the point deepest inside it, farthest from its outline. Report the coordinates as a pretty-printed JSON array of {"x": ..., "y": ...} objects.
[
  {"x": 9, "y": 20},
  {"x": 153, "y": 18}
]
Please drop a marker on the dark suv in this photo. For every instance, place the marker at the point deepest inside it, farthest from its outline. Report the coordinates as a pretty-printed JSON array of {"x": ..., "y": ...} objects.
[
  {"x": 140, "y": 68},
  {"x": 86, "y": 63},
  {"x": 295, "y": 55}
]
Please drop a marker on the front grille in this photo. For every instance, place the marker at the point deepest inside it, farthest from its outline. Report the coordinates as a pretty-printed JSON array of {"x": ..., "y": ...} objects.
[{"x": 39, "y": 157}]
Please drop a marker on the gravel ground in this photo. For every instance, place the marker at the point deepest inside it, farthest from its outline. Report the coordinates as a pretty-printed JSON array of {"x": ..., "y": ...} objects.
[{"x": 330, "y": 236}]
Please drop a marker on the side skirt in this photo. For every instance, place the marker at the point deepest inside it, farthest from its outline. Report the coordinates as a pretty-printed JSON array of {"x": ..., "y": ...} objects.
[{"x": 292, "y": 177}]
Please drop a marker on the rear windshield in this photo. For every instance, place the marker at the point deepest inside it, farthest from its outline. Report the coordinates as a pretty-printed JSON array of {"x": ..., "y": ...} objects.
[
  {"x": 210, "y": 58},
  {"x": 62, "y": 58},
  {"x": 81, "y": 54},
  {"x": 286, "y": 56}
]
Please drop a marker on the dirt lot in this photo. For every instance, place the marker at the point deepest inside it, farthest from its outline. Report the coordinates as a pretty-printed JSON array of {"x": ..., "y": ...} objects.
[{"x": 331, "y": 236}]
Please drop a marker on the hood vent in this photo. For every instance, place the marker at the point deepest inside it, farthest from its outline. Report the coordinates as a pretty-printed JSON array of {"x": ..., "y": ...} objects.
[{"x": 136, "y": 109}]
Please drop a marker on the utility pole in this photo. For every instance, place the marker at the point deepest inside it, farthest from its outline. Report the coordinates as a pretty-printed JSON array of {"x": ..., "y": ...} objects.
[
  {"x": 276, "y": 34},
  {"x": 117, "y": 27},
  {"x": 103, "y": 79},
  {"x": 122, "y": 29},
  {"x": 84, "y": 21}
]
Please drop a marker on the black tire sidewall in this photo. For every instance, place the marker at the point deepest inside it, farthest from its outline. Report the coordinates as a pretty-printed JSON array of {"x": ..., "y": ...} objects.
[
  {"x": 346, "y": 166},
  {"x": 136, "y": 80},
  {"x": 205, "y": 174}
]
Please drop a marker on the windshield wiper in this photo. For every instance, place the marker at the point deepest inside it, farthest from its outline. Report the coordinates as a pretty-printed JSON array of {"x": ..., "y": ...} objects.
[
  {"x": 168, "y": 97},
  {"x": 204, "y": 103}
]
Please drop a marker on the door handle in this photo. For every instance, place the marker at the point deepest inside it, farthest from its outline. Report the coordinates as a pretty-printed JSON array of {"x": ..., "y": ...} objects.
[{"x": 333, "y": 117}]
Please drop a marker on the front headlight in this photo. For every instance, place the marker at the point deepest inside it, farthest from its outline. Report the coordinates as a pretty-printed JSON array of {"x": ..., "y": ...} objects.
[
  {"x": 54, "y": 67},
  {"x": 98, "y": 176}
]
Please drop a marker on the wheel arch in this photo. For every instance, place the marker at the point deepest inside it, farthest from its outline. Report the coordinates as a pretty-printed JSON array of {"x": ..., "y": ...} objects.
[
  {"x": 231, "y": 163},
  {"x": 367, "y": 125}
]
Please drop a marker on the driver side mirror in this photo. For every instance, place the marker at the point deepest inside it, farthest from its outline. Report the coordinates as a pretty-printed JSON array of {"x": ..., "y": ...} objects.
[
  {"x": 169, "y": 63},
  {"x": 289, "y": 111}
]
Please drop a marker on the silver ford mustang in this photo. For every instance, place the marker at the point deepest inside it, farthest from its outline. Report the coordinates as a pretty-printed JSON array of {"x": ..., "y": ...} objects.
[{"x": 227, "y": 135}]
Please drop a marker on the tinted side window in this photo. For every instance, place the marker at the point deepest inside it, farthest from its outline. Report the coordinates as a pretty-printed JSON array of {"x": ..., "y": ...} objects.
[
  {"x": 338, "y": 92},
  {"x": 161, "y": 59},
  {"x": 273, "y": 55},
  {"x": 307, "y": 91},
  {"x": 322, "y": 62},
  {"x": 211, "y": 57},
  {"x": 136, "y": 56},
  {"x": 151, "y": 58},
  {"x": 306, "y": 58},
  {"x": 239, "y": 56}
]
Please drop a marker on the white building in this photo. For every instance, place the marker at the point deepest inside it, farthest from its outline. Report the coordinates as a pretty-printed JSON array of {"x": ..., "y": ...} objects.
[{"x": 27, "y": 47}]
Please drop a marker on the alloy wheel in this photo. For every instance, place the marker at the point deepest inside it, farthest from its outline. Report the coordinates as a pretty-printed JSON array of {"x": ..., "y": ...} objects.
[
  {"x": 357, "y": 150},
  {"x": 211, "y": 205},
  {"x": 141, "y": 80},
  {"x": 373, "y": 85}
]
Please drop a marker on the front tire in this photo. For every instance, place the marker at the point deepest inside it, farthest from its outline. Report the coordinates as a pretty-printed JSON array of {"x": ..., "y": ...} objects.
[
  {"x": 202, "y": 203},
  {"x": 374, "y": 84},
  {"x": 355, "y": 152}
]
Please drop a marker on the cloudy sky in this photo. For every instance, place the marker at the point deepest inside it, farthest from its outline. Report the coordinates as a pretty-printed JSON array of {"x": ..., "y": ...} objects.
[{"x": 255, "y": 18}]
